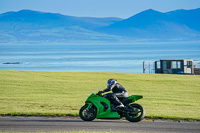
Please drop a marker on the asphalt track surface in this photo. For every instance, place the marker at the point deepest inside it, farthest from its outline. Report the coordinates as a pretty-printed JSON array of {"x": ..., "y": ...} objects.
[{"x": 67, "y": 124}]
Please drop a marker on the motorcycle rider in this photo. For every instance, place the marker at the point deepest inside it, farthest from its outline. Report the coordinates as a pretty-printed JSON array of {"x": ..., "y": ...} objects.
[{"x": 118, "y": 91}]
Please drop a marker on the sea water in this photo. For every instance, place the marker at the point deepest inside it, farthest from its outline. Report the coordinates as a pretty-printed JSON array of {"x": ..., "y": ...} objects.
[{"x": 91, "y": 57}]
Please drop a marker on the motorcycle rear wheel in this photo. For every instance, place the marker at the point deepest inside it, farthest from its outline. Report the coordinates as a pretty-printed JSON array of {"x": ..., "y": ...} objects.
[
  {"x": 88, "y": 114},
  {"x": 137, "y": 115}
]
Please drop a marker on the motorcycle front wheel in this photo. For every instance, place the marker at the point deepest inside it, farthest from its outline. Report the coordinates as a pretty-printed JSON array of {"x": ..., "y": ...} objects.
[
  {"x": 137, "y": 114},
  {"x": 88, "y": 114}
]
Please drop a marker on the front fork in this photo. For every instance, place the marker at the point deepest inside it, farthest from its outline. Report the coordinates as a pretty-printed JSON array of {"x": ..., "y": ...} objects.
[
  {"x": 89, "y": 105},
  {"x": 88, "y": 110}
]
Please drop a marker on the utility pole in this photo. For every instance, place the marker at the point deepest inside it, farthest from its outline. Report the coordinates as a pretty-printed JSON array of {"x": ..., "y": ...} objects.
[{"x": 144, "y": 67}]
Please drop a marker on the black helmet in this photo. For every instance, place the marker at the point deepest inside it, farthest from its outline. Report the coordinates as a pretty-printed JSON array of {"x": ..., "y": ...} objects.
[{"x": 111, "y": 82}]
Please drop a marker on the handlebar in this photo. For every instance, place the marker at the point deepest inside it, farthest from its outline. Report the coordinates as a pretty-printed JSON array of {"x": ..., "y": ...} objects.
[{"x": 99, "y": 94}]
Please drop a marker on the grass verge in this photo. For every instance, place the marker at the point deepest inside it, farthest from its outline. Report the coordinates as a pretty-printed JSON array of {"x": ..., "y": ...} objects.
[
  {"x": 68, "y": 132},
  {"x": 63, "y": 93}
]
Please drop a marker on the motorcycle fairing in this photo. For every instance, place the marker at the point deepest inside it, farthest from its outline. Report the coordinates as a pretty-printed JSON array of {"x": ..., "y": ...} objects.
[
  {"x": 103, "y": 110},
  {"x": 135, "y": 97}
]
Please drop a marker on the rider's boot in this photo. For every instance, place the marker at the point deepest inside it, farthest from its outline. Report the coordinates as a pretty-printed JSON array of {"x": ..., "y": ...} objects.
[
  {"x": 117, "y": 102},
  {"x": 120, "y": 106}
]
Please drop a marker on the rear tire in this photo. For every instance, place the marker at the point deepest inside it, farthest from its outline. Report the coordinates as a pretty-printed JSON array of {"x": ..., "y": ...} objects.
[
  {"x": 88, "y": 114},
  {"x": 137, "y": 115}
]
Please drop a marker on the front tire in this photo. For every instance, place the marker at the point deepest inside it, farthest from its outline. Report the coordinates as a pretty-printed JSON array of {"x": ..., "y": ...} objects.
[
  {"x": 88, "y": 114},
  {"x": 137, "y": 114}
]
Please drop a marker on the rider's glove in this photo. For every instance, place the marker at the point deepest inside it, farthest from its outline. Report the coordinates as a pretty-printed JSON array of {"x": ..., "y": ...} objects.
[{"x": 99, "y": 92}]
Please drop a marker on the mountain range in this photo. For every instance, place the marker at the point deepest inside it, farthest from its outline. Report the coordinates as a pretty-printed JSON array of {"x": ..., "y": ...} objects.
[{"x": 149, "y": 25}]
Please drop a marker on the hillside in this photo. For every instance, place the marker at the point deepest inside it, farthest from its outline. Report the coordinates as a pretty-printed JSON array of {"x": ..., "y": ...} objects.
[
  {"x": 27, "y": 25},
  {"x": 34, "y": 26},
  {"x": 151, "y": 24}
]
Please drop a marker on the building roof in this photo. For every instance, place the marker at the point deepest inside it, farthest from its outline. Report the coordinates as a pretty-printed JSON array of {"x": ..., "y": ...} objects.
[{"x": 176, "y": 59}]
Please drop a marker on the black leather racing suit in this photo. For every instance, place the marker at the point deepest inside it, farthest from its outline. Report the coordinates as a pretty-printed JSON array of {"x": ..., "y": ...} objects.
[{"x": 118, "y": 92}]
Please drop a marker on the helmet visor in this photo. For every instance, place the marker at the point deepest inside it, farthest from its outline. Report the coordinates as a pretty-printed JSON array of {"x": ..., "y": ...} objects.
[{"x": 109, "y": 82}]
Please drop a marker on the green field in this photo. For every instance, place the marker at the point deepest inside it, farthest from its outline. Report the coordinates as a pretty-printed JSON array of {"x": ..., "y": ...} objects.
[{"x": 63, "y": 93}]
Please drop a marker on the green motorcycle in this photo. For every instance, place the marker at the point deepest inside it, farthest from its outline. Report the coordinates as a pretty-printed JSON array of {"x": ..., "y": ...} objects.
[{"x": 96, "y": 106}]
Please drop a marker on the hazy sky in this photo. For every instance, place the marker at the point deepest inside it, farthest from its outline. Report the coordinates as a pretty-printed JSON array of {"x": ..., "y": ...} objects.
[{"x": 97, "y": 8}]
